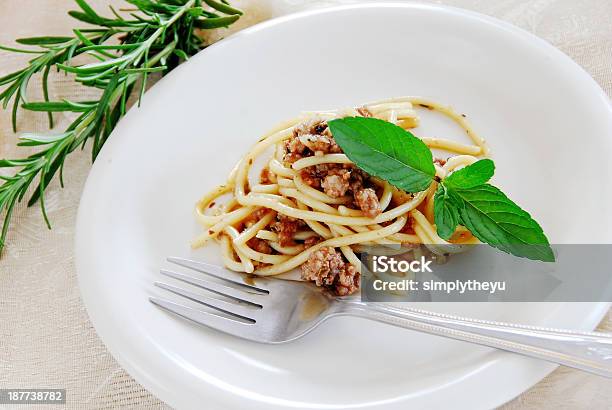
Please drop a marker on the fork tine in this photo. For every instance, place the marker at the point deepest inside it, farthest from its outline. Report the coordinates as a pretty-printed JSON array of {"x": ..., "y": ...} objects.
[
  {"x": 239, "y": 295},
  {"x": 227, "y": 325},
  {"x": 235, "y": 309},
  {"x": 217, "y": 272}
]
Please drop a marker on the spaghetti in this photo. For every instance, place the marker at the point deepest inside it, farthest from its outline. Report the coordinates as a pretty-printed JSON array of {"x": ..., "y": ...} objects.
[{"x": 313, "y": 208}]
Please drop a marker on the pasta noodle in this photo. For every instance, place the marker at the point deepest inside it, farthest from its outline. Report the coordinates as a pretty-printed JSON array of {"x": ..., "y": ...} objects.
[{"x": 302, "y": 206}]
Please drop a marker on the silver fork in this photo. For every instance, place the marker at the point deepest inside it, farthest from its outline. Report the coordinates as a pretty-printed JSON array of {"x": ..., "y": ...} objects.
[{"x": 277, "y": 311}]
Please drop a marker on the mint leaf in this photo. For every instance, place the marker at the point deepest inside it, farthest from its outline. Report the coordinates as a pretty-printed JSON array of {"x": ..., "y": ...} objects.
[
  {"x": 471, "y": 176},
  {"x": 386, "y": 151},
  {"x": 494, "y": 219},
  {"x": 446, "y": 213}
]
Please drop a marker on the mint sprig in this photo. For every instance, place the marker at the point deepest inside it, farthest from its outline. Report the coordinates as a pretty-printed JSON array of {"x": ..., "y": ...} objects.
[
  {"x": 463, "y": 198},
  {"x": 495, "y": 219}
]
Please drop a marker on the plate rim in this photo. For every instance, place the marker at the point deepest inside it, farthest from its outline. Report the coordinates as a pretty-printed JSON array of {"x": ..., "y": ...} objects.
[{"x": 512, "y": 362}]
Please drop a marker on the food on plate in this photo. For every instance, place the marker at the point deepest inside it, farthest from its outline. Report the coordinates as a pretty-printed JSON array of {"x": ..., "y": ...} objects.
[{"x": 335, "y": 181}]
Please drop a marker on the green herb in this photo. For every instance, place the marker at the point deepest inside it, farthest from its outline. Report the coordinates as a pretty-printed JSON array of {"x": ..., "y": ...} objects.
[
  {"x": 464, "y": 197},
  {"x": 471, "y": 176},
  {"x": 489, "y": 214},
  {"x": 446, "y": 212},
  {"x": 156, "y": 39},
  {"x": 386, "y": 151}
]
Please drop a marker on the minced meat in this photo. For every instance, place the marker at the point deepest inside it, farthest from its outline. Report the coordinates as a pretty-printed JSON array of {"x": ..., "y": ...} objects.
[
  {"x": 326, "y": 267},
  {"x": 286, "y": 227},
  {"x": 367, "y": 201}
]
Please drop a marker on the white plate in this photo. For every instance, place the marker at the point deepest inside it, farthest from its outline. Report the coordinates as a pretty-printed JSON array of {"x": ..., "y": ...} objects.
[{"x": 548, "y": 123}]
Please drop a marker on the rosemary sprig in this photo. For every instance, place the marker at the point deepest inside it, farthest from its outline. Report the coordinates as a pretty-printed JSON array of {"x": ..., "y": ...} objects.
[{"x": 156, "y": 39}]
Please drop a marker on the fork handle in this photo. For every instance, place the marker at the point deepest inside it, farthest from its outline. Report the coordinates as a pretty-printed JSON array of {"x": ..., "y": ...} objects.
[{"x": 588, "y": 351}]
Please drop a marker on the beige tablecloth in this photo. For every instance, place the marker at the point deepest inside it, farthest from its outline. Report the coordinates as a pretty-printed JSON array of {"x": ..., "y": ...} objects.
[{"x": 46, "y": 339}]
